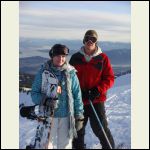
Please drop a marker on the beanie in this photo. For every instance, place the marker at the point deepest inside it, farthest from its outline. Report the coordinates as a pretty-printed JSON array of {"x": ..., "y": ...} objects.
[
  {"x": 91, "y": 33},
  {"x": 58, "y": 49}
]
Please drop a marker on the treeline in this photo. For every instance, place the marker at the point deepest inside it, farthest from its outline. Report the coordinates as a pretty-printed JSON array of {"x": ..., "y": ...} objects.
[{"x": 25, "y": 80}]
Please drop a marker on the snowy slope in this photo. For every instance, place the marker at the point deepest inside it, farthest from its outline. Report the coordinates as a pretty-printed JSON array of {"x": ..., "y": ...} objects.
[{"x": 118, "y": 109}]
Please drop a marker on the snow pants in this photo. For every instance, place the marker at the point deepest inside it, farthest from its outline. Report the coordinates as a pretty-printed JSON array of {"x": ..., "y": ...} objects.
[
  {"x": 78, "y": 143},
  {"x": 59, "y": 135}
]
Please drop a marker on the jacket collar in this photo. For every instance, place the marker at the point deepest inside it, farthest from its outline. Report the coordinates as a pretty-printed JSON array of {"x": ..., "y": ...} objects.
[
  {"x": 87, "y": 57},
  {"x": 66, "y": 67}
]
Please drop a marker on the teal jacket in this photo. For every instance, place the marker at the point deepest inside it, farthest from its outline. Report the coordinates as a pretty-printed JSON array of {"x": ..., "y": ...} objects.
[{"x": 70, "y": 100}]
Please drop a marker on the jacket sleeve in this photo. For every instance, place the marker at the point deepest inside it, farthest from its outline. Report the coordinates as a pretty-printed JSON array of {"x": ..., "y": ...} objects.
[
  {"x": 76, "y": 91},
  {"x": 36, "y": 94},
  {"x": 107, "y": 79}
]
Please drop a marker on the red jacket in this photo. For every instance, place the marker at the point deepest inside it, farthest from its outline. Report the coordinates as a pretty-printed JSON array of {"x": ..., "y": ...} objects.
[{"x": 95, "y": 73}]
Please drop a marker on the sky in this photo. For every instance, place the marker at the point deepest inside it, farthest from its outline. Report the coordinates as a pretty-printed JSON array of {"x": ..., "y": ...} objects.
[{"x": 70, "y": 20}]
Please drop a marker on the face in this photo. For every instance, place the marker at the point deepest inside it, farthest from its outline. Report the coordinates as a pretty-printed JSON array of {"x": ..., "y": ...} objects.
[
  {"x": 59, "y": 60},
  {"x": 90, "y": 42}
]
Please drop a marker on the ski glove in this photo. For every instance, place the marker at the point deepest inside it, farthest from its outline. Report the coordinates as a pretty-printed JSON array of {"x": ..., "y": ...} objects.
[
  {"x": 28, "y": 111},
  {"x": 52, "y": 103},
  {"x": 79, "y": 122},
  {"x": 90, "y": 93}
]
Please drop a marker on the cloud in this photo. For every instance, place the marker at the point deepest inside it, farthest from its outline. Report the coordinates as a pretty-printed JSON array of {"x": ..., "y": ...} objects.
[{"x": 67, "y": 23}]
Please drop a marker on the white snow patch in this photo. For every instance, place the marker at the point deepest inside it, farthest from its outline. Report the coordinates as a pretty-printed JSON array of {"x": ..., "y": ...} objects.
[{"x": 118, "y": 110}]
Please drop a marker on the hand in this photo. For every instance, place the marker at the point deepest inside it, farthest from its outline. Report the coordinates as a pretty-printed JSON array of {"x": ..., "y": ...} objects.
[
  {"x": 52, "y": 103},
  {"x": 85, "y": 94},
  {"x": 90, "y": 93},
  {"x": 93, "y": 93},
  {"x": 28, "y": 111},
  {"x": 79, "y": 122}
]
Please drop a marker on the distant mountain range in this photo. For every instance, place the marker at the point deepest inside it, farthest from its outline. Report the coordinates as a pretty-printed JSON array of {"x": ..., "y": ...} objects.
[
  {"x": 26, "y": 44},
  {"x": 31, "y": 65},
  {"x": 120, "y": 59}
]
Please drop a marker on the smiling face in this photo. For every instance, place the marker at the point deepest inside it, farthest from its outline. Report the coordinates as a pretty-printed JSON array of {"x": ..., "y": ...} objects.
[
  {"x": 59, "y": 60},
  {"x": 90, "y": 44}
]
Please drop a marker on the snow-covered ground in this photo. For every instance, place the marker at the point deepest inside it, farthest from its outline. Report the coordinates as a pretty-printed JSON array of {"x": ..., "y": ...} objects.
[{"x": 118, "y": 109}]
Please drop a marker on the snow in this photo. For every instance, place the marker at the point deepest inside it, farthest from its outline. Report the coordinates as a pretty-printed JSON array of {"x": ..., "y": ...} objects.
[{"x": 118, "y": 110}]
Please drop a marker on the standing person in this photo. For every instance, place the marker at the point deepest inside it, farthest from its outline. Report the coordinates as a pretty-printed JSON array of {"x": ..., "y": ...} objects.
[
  {"x": 96, "y": 77},
  {"x": 57, "y": 81}
]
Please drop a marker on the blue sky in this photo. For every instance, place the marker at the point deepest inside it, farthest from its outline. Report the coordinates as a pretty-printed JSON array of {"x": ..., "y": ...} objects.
[{"x": 70, "y": 20}]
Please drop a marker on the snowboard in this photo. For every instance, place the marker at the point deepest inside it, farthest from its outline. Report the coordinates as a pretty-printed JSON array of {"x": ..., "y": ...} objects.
[{"x": 43, "y": 113}]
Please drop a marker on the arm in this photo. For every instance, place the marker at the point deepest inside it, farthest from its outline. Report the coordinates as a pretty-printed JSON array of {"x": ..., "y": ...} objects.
[
  {"x": 107, "y": 79},
  {"x": 78, "y": 104},
  {"x": 36, "y": 94}
]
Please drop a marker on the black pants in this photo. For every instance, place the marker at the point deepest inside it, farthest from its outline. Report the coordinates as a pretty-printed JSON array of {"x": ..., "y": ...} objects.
[{"x": 78, "y": 143}]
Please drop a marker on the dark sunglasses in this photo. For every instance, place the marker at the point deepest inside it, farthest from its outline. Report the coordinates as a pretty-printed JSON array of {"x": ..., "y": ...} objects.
[{"x": 90, "y": 38}]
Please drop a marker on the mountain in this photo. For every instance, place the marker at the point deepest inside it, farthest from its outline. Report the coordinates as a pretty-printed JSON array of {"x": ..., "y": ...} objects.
[
  {"x": 31, "y": 65},
  {"x": 107, "y": 46},
  {"x": 119, "y": 56},
  {"x": 120, "y": 60},
  {"x": 28, "y": 44}
]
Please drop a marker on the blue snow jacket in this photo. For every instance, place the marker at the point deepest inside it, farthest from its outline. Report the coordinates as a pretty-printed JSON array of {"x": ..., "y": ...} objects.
[{"x": 70, "y": 100}]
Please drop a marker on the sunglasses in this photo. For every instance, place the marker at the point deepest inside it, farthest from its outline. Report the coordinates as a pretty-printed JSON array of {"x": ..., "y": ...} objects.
[{"x": 90, "y": 38}]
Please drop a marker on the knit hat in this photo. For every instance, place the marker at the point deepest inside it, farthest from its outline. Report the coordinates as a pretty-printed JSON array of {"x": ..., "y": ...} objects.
[
  {"x": 91, "y": 33},
  {"x": 58, "y": 49}
]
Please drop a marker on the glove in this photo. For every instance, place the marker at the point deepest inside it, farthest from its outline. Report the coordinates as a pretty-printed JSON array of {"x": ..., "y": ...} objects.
[
  {"x": 90, "y": 94},
  {"x": 93, "y": 93},
  {"x": 52, "y": 103},
  {"x": 85, "y": 94},
  {"x": 79, "y": 122},
  {"x": 28, "y": 111}
]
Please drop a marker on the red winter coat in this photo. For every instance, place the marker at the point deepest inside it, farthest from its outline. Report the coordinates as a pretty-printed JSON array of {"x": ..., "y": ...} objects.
[{"x": 95, "y": 73}]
